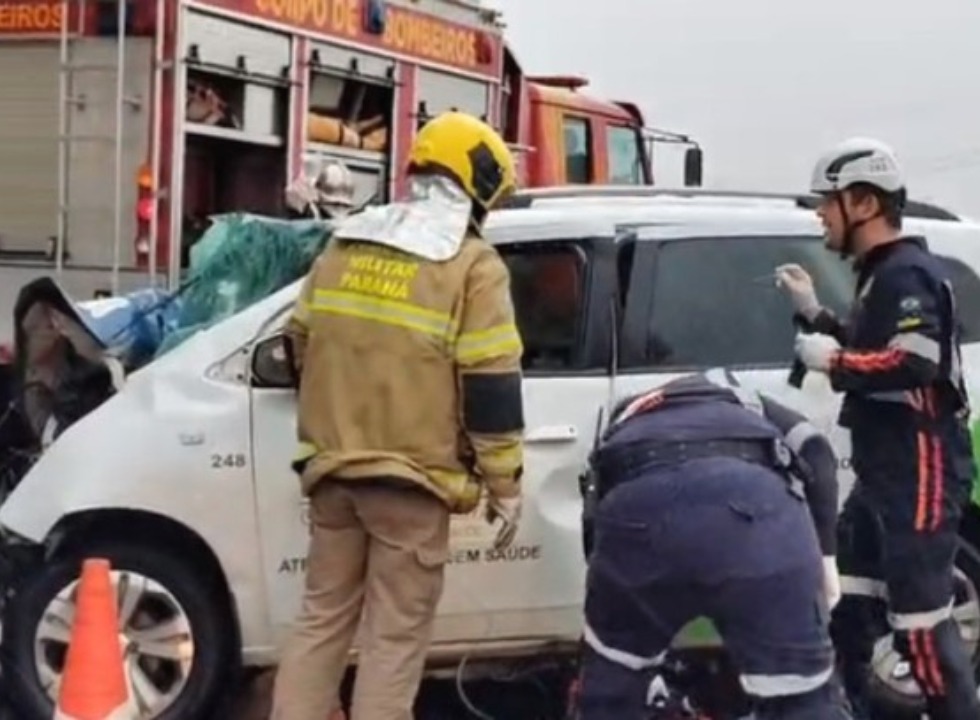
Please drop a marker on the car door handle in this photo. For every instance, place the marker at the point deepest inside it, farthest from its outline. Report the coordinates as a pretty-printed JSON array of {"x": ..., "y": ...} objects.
[{"x": 552, "y": 434}]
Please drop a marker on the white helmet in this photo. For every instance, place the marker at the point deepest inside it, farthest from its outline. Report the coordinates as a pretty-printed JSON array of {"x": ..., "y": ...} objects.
[
  {"x": 334, "y": 184},
  {"x": 857, "y": 160}
]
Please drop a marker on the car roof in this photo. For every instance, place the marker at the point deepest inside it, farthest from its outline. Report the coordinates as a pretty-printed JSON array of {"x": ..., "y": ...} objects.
[{"x": 567, "y": 212}]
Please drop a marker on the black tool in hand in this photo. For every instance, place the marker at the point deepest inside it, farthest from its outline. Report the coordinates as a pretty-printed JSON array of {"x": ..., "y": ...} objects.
[{"x": 798, "y": 372}]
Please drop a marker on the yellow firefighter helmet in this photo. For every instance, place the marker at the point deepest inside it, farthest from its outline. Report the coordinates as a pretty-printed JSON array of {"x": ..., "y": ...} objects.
[{"x": 470, "y": 152}]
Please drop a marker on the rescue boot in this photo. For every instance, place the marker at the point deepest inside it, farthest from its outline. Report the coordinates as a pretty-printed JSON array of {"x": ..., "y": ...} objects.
[{"x": 952, "y": 695}]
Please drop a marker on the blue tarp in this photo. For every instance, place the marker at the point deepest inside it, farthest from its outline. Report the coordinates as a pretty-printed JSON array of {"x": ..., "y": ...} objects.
[{"x": 239, "y": 260}]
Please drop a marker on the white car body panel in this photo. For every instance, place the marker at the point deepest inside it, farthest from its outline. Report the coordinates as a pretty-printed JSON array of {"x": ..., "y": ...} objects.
[{"x": 150, "y": 448}]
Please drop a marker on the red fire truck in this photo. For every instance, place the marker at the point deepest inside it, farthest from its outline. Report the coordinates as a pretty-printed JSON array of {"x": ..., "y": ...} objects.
[{"x": 127, "y": 123}]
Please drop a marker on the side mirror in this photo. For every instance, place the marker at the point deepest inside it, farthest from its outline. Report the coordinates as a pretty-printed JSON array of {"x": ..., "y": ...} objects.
[
  {"x": 272, "y": 365},
  {"x": 693, "y": 167}
]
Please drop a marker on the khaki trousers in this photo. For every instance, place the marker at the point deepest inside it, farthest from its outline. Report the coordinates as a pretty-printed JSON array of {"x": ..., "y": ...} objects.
[{"x": 382, "y": 548}]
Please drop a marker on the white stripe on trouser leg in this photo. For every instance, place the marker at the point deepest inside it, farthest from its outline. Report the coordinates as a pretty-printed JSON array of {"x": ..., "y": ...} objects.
[
  {"x": 920, "y": 620},
  {"x": 862, "y": 586},
  {"x": 917, "y": 344},
  {"x": 620, "y": 657},
  {"x": 779, "y": 685}
]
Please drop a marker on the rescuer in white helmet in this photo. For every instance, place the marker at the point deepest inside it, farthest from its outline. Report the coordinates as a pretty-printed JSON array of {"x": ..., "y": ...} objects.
[{"x": 897, "y": 361}]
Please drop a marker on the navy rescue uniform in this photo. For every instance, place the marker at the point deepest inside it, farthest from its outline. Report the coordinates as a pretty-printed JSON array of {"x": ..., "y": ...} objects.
[
  {"x": 703, "y": 491},
  {"x": 906, "y": 407}
]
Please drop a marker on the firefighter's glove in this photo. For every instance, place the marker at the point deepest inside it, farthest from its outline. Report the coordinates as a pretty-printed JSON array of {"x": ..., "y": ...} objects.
[
  {"x": 508, "y": 512},
  {"x": 816, "y": 350},
  {"x": 798, "y": 283},
  {"x": 831, "y": 581}
]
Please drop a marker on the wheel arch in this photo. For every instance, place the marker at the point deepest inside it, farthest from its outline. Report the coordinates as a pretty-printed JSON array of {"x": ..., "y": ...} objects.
[{"x": 87, "y": 528}]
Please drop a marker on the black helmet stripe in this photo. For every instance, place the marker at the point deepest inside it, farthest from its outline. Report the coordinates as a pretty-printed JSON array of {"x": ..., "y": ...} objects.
[
  {"x": 832, "y": 173},
  {"x": 487, "y": 172}
]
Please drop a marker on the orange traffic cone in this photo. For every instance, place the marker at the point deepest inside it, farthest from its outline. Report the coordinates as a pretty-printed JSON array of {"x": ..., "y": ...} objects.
[{"x": 93, "y": 686}]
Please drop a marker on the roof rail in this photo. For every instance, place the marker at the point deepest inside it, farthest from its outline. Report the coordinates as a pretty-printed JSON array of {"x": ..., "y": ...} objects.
[{"x": 526, "y": 198}]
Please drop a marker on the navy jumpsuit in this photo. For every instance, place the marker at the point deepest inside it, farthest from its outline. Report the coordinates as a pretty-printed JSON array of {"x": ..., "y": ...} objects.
[
  {"x": 906, "y": 408},
  {"x": 716, "y": 502}
]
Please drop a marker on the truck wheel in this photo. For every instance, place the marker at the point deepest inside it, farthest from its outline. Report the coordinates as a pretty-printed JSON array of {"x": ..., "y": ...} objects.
[
  {"x": 182, "y": 641},
  {"x": 893, "y": 688}
]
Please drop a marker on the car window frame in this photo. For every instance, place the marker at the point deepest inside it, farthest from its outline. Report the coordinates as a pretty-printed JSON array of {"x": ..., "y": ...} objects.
[
  {"x": 639, "y": 319},
  {"x": 592, "y": 344}
]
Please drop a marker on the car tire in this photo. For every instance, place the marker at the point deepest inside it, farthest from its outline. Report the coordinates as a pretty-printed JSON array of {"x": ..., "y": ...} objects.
[
  {"x": 898, "y": 697},
  {"x": 161, "y": 588}
]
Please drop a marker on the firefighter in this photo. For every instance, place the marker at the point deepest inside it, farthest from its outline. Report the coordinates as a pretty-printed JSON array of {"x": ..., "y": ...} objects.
[
  {"x": 409, "y": 368},
  {"x": 713, "y": 501},
  {"x": 326, "y": 191},
  {"x": 897, "y": 361}
]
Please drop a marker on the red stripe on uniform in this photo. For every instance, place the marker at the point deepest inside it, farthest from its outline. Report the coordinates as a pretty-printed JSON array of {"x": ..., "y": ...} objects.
[
  {"x": 932, "y": 662},
  {"x": 917, "y": 651},
  {"x": 922, "y": 491},
  {"x": 937, "y": 482},
  {"x": 871, "y": 362},
  {"x": 937, "y": 463}
]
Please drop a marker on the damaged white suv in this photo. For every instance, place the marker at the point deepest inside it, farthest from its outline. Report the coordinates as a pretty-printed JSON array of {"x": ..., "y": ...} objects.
[{"x": 182, "y": 478}]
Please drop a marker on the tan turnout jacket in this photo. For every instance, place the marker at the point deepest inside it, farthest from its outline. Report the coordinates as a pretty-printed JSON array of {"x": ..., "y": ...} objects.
[{"x": 411, "y": 369}]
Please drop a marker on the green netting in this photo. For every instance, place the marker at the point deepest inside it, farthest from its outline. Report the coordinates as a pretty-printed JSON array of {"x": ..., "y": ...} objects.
[{"x": 240, "y": 260}]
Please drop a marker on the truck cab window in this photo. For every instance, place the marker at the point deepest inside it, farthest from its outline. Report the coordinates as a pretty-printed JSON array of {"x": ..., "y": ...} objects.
[
  {"x": 625, "y": 158},
  {"x": 548, "y": 287},
  {"x": 715, "y": 301},
  {"x": 578, "y": 150}
]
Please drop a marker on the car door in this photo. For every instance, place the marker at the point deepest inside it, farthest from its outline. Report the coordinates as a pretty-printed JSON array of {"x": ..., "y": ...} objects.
[
  {"x": 703, "y": 299},
  {"x": 534, "y": 589},
  {"x": 282, "y": 509},
  {"x": 711, "y": 300}
]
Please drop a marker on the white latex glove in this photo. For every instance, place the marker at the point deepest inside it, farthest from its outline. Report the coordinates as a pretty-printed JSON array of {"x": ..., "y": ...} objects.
[
  {"x": 798, "y": 283},
  {"x": 831, "y": 581},
  {"x": 508, "y": 512},
  {"x": 816, "y": 350}
]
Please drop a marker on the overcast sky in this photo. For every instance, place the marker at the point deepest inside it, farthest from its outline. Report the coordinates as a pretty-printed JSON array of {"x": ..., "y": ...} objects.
[{"x": 764, "y": 85}]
